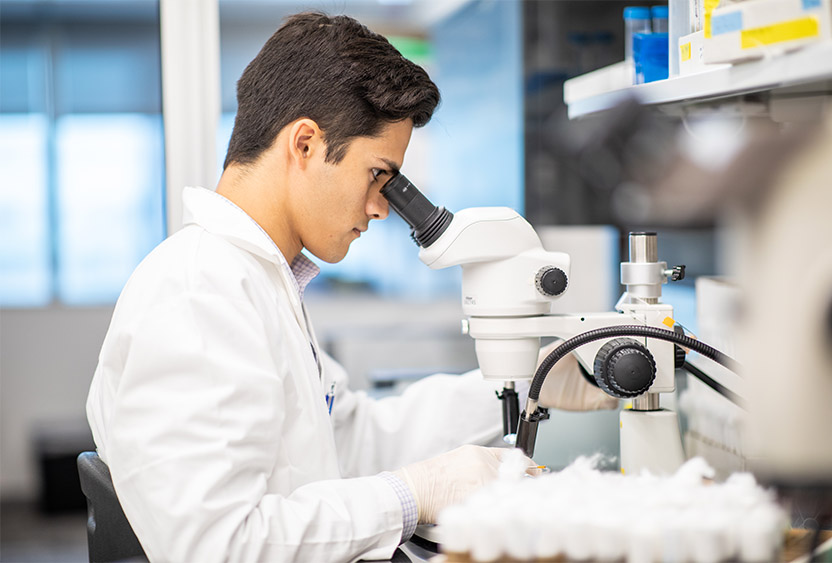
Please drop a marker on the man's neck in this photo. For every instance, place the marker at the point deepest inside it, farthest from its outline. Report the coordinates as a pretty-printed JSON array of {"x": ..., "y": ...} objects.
[{"x": 258, "y": 193}]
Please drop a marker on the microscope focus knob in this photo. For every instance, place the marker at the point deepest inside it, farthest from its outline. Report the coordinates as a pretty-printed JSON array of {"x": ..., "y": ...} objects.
[
  {"x": 624, "y": 368},
  {"x": 551, "y": 281}
]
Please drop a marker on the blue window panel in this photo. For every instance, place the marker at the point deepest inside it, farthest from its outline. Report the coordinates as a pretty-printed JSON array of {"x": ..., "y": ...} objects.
[
  {"x": 477, "y": 156},
  {"x": 106, "y": 71},
  {"x": 109, "y": 173},
  {"x": 22, "y": 76},
  {"x": 25, "y": 269}
]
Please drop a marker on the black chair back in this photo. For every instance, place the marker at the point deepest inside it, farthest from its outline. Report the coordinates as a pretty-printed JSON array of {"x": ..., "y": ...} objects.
[{"x": 109, "y": 535}]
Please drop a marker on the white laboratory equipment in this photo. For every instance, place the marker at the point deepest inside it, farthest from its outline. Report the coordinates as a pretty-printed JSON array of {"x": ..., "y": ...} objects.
[{"x": 509, "y": 283}]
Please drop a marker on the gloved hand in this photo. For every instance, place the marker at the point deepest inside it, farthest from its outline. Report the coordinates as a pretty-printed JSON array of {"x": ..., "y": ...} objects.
[
  {"x": 448, "y": 478},
  {"x": 565, "y": 387}
]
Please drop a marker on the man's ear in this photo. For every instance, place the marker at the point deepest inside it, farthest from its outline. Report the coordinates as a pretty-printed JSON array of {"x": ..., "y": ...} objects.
[{"x": 305, "y": 140}]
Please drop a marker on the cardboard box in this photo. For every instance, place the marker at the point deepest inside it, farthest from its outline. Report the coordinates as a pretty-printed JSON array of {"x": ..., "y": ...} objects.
[{"x": 764, "y": 28}]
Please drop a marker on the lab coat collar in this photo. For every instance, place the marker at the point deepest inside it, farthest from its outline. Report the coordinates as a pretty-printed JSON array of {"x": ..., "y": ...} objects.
[{"x": 222, "y": 217}]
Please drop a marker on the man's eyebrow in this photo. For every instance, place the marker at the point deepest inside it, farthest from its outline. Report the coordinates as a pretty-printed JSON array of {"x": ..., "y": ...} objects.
[{"x": 394, "y": 168}]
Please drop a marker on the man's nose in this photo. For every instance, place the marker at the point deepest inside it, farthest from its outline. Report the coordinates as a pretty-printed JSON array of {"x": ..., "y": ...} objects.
[{"x": 377, "y": 206}]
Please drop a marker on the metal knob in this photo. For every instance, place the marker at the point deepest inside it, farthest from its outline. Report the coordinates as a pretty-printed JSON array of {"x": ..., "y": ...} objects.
[
  {"x": 624, "y": 368},
  {"x": 677, "y": 273},
  {"x": 551, "y": 281}
]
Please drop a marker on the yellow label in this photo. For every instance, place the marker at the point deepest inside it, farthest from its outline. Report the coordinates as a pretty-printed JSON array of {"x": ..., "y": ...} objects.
[
  {"x": 623, "y": 472},
  {"x": 685, "y": 52},
  {"x": 786, "y": 31},
  {"x": 669, "y": 322},
  {"x": 710, "y": 6}
]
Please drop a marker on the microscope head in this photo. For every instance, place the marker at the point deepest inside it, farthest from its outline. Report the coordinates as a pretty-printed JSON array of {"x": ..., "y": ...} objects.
[{"x": 506, "y": 273}]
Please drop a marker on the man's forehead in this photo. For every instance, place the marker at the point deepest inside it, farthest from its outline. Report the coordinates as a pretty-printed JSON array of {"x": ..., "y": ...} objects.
[
  {"x": 388, "y": 145},
  {"x": 380, "y": 149},
  {"x": 391, "y": 165}
]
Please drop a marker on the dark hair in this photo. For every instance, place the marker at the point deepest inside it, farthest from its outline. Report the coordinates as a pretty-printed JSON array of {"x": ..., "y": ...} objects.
[{"x": 333, "y": 70}]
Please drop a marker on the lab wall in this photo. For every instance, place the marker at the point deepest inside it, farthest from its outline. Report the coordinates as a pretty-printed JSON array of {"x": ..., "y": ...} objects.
[{"x": 47, "y": 358}]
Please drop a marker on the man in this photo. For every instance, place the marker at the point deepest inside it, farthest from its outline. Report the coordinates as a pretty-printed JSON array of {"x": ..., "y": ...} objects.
[{"x": 212, "y": 403}]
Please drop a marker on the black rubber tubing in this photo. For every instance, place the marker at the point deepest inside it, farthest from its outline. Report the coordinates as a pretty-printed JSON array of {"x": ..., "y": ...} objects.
[
  {"x": 714, "y": 384},
  {"x": 623, "y": 330}
]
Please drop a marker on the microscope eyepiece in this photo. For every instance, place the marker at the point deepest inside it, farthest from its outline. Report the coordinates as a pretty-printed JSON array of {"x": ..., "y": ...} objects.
[{"x": 427, "y": 222}]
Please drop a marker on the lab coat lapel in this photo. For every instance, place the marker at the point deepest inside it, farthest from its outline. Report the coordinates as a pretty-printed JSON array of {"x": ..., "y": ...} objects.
[{"x": 222, "y": 217}]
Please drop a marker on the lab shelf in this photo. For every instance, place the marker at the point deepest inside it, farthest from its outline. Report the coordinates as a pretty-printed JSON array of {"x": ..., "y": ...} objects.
[{"x": 601, "y": 90}]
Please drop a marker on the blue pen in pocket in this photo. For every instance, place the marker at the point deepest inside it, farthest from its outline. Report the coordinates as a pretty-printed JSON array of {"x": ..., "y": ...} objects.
[{"x": 330, "y": 398}]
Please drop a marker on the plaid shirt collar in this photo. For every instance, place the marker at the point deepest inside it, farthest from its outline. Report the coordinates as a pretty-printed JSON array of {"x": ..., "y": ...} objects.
[{"x": 304, "y": 271}]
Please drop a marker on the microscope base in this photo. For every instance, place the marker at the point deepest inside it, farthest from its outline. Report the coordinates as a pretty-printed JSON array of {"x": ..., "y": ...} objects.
[{"x": 650, "y": 440}]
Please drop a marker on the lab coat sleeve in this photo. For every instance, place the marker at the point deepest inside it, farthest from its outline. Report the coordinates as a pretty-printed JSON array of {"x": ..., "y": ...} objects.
[
  {"x": 432, "y": 416},
  {"x": 197, "y": 419}
]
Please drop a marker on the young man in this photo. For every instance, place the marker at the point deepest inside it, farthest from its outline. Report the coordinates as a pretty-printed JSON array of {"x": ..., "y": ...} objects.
[{"x": 209, "y": 403}]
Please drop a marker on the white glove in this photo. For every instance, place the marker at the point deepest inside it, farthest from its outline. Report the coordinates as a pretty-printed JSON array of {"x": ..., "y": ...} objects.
[
  {"x": 565, "y": 387},
  {"x": 448, "y": 478}
]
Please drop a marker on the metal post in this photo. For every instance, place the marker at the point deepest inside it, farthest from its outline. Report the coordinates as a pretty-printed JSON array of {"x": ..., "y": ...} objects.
[
  {"x": 644, "y": 249},
  {"x": 646, "y": 402},
  {"x": 190, "y": 36}
]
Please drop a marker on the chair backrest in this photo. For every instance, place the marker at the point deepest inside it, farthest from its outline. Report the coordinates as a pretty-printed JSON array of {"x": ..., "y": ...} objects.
[{"x": 109, "y": 535}]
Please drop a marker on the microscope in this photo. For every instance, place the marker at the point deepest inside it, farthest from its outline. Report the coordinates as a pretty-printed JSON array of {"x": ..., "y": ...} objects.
[{"x": 509, "y": 283}]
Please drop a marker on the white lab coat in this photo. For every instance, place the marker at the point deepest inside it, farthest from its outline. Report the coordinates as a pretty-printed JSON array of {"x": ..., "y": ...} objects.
[{"x": 208, "y": 406}]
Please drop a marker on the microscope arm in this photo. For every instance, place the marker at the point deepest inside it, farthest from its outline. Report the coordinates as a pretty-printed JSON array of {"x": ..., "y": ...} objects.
[{"x": 527, "y": 431}]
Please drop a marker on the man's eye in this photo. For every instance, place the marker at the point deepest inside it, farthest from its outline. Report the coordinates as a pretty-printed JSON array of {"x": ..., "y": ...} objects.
[{"x": 376, "y": 172}]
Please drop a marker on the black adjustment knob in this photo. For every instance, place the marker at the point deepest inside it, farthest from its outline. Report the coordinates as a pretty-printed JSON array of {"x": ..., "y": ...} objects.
[
  {"x": 551, "y": 280},
  {"x": 624, "y": 368},
  {"x": 678, "y": 273}
]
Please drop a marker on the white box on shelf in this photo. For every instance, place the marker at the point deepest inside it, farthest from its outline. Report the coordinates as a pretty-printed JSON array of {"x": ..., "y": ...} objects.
[
  {"x": 764, "y": 28},
  {"x": 691, "y": 53}
]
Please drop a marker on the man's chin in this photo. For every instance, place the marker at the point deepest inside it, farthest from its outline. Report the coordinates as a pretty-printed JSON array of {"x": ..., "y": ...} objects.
[{"x": 329, "y": 257}]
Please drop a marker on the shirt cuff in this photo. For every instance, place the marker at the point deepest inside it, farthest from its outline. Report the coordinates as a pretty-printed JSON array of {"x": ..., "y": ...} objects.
[{"x": 410, "y": 511}]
